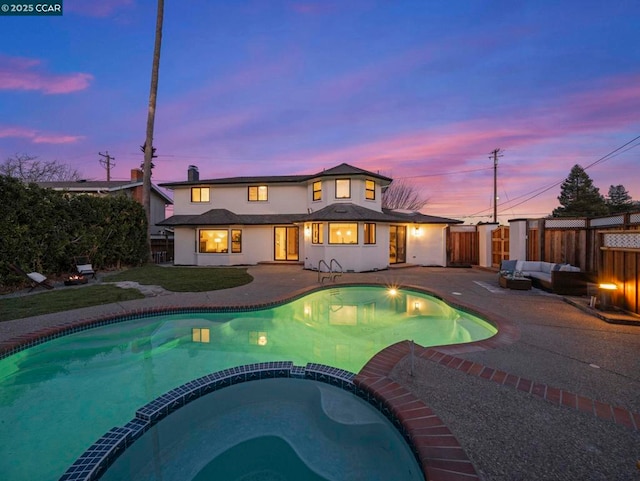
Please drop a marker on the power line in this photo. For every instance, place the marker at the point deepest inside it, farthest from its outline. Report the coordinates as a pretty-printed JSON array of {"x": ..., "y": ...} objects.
[{"x": 535, "y": 192}]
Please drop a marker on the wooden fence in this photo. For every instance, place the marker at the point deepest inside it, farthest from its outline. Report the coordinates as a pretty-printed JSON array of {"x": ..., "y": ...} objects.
[
  {"x": 582, "y": 242},
  {"x": 462, "y": 246}
]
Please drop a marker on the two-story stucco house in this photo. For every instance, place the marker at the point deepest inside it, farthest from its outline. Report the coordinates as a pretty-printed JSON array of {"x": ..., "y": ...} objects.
[{"x": 334, "y": 214}]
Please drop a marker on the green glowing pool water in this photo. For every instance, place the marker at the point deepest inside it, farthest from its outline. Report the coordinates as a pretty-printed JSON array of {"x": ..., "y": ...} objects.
[{"x": 57, "y": 398}]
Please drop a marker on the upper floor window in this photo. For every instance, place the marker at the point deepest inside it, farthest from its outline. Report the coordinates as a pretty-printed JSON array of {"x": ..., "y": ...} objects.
[
  {"x": 369, "y": 190},
  {"x": 369, "y": 233},
  {"x": 343, "y": 233},
  {"x": 343, "y": 188},
  {"x": 317, "y": 190},
  {"x": 316, "y": 233},
  {"x": 199, "y": 194},
  {"x": 258, "y": 193}
]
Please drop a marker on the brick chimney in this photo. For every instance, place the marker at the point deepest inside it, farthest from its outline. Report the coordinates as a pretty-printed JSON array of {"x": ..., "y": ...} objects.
[
  {"x": 192, "y": 174},
  {"x": 136, "y": 175}
]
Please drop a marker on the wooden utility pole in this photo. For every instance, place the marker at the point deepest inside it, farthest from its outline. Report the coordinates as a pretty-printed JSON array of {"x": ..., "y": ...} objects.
[
  {"x": 495, "y": 154},
  {"x": 107, "y": 163}
]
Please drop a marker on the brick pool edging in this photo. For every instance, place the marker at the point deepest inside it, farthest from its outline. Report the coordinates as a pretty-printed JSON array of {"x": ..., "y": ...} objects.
[{"x": 553, "y": 395}]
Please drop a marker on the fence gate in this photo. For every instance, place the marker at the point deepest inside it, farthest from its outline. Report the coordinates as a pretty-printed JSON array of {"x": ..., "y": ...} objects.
[
  {"x": 499, "y": 245},
  {"x": 462, "y": 246}
]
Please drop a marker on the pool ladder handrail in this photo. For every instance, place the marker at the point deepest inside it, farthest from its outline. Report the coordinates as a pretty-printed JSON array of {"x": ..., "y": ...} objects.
[{"x": 331, "y": 272}]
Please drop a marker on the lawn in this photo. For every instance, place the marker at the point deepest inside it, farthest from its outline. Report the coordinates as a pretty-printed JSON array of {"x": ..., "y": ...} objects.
[
  {"x": 176, "y": 279},
  {"x": 185, "y": 279}
]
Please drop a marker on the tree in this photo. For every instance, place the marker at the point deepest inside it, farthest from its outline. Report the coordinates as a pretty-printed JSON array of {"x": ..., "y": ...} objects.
[
  {"x": 618, "y": 200},
  {"x": 151, "y": 115},
  {"x": 402, "y": 195},
  {"x": 28, "y": 168},
  {"x": 579, "y": 197}
]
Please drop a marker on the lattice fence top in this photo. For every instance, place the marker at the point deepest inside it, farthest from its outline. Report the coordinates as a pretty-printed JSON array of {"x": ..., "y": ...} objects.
[
  {"x": 533, "y": 224},
  {"x": 635, "y": 218},
  {"x": 565, "y": 223},
  {"x": 613, "y": 220},
  {"x": 622, "y": 240},
  {"x": 463, "y": 228}
]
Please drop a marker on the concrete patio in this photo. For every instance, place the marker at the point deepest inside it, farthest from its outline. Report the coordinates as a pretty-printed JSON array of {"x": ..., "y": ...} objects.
[{"x": 507, "y": 417}]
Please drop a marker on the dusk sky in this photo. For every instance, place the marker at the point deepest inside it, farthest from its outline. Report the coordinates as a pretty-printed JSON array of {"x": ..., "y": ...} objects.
[{"x": 420, "y": 90}]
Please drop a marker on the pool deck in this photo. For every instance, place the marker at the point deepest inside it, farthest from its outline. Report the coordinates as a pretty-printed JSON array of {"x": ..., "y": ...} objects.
[{"x": 555, "y": 396}]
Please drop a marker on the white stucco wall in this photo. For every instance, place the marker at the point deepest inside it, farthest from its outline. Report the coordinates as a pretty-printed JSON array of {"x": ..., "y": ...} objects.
[
  {"x": 282, "y": 199},
  {"x": 427, "y": 245},
  {"x": 518, "y": 239},
  {"x": 184, "y": 246},
  {"x": 485, "y": 244}
]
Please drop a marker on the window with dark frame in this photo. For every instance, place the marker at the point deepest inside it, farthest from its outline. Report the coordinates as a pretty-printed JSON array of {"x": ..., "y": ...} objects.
[
  {"x": 343, "y": 233},
  {"x": 258, "y": 193},
  {"x": 214, "y": 241},
  {"x": 316, "y": 233},
  {"x": 199, "y": 194},
  {"x": 369, "y": 233},
  {"x": 369, "y": 190},
  {"x": 317, "y": 190},
  {"x": 343, "y": 188},
  {"x": 236, "y": 241}
]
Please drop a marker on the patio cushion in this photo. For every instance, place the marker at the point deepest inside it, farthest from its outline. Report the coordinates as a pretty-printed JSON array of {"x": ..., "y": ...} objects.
[
  {"x": 36, "y": 277},
  {"x": 509, "y": 266}
]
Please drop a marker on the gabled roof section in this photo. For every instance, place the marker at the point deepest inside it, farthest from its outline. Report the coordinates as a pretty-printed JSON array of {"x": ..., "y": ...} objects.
[
  {"x": 100, "y": 186},
  {"x": 340, "y": 170},
  {"x": 348, "y": 170},
  {"x": 418, "y": 218},
  {"x": 347, "y": 212},
  {"x": 226, "y": 217}
]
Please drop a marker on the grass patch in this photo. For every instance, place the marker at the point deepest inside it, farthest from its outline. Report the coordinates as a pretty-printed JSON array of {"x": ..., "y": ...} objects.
[
  {"x": 185, "y": 279},
  {"x": 176, "y": 279},
  {"x": 63, "y": 300}
]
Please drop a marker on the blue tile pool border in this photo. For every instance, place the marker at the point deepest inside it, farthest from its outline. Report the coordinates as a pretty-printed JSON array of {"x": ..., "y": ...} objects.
[{"x": 95, "y": 461}]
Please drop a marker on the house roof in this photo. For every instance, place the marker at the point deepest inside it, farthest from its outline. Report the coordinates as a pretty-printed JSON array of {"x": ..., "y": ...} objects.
[
  {"x": 348, "y": 212},
  {"x": 342, "y": 169},
  {"x": 226, "y": 217},
  {"x": 418, "y": 218},
  {"x": 344, "y": 212},
  {"x": 346, "y": 169},
  {"x": 100, "y": 186}
]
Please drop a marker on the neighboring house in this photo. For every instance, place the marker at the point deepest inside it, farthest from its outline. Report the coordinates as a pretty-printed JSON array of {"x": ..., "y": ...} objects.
[
  {"x": 334, "y": 214},
  {"x": 131, "y": 188}
]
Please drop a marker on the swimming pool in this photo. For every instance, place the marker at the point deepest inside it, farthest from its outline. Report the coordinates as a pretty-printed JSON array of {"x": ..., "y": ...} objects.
[{"x": 58, "y": 397}]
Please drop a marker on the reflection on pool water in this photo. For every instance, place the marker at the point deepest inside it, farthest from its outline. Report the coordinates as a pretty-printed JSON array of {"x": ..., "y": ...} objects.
[
  {"x": 274, "y": 429},
  {"x": 57, "y": 398}
]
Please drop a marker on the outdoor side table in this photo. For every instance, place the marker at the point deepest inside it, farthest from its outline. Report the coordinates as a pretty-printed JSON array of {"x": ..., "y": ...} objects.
[{"x": 517, "y": 283}]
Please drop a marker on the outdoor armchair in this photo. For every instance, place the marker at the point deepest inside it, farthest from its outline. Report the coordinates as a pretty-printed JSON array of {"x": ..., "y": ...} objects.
[
  {"x": 35, "y": 278},
  {"x": 84, "y": 267}
]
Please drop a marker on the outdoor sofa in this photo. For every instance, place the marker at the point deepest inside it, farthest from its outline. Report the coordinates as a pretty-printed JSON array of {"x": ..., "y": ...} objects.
[{"x": 562, "y": 279}]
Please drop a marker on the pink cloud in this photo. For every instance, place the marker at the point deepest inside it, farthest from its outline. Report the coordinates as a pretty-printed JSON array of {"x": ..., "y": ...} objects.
[
  {"x": 18, "y": 73},
  {"x": 37, "y": 137},
  {"x": 100, "y": 9}
]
